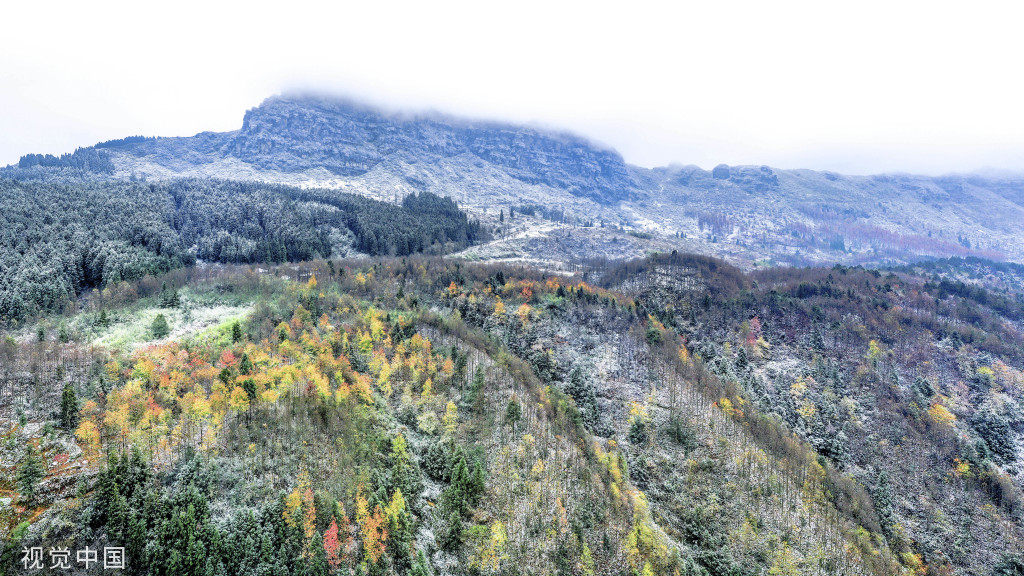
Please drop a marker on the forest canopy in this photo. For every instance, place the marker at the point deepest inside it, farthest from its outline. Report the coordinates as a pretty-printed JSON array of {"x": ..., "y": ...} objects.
[
  {"x": 58, "y": 239},
  {"x": 81, "y": 160}
]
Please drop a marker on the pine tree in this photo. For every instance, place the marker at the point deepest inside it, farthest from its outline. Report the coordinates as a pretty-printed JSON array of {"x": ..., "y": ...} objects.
[
  {"x": 477, "y": 483},
  {"x": 460, "y": 366},
  {"x": 923, "y": 389},
  {"x": 436, "y": 464},
  {"x": 582, "y": 392},
  {"x": 997, "y": 433},
  {"x": 817, "y": 340},
  {"x": 249, "y": 385},
  {"x": 454, "y": 496},
  {"x": 169, "y": 298},
  {"x": 117, "y": 516},
  {"x": 653, "y": 335},
  {"x": 69, "y": 409},
  {"x": 30, "y": 473},
  {"x": 245, "y": 366},
  {"x": 513, "y": 412},
  {"x": 236, "y": 332},
  {"x": 638, "y": 431},
  {"x": 106, "y": 492},
  {"x": 474, "y": 389},
  {"x": 160, "y": 328},
  {"x": 137, "y": 536},
  {"x": 420, "y": 567},
  {"x": 883, "y": 501},
  {"x": 318, "y": 564},
  {"x": 451, "y": 537},
  {"x": 742, "y": 360}
]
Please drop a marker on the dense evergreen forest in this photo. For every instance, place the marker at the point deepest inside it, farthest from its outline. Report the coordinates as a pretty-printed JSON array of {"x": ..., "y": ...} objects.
[
  {"x": 59, "y": 239},
  {"x": 82, "y": 160}
]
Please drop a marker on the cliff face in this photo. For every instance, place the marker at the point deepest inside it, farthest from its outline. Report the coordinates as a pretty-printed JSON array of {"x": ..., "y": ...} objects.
[{"x": 293, "y": 134}]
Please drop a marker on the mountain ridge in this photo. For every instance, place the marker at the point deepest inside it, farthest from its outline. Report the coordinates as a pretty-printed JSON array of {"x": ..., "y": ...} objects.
[
  {"x": 331, "y": 101},
  {"x": 746, "y": 214}
]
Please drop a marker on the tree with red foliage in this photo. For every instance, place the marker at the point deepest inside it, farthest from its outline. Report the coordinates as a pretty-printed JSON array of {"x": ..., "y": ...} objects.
[{"x": 332, "y": 545}]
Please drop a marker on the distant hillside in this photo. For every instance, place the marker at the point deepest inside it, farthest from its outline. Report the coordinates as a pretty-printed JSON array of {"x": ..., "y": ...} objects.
[
  {"x": 58, "y": 240},
  {"x": 578, "y": 200},
  {"x": 806, "y": 216},
  {"x": 295, "y": 134}
]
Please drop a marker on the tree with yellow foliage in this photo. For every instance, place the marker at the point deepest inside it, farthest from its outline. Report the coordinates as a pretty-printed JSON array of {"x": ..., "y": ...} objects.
[
  {"x": 292, "y": 510},
  {"x": 941, "y": 415},
  {"x": 491, "y": 552},
  {"x": 450, "y": 420},
  {"x": 399, "y": 529},
  {"x": 783, "y": 562},
  {"x": 874, "y": 353},
  {"x": 373, "y": 529},
  {"x": 89, "y": 435},
  {"x": 239, "y": 401}
]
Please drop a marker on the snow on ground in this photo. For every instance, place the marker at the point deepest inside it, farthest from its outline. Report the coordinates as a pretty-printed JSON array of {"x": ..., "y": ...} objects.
[{"x": 134, "y": 332}]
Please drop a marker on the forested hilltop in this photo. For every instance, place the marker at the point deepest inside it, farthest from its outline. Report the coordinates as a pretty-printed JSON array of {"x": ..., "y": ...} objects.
[
  {"x": 61, "y": 237},
  {"x": 672, "y": 415}
]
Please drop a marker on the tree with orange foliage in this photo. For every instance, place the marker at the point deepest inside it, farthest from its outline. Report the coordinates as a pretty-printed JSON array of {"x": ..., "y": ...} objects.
[
  {"x": 373, "y": 529},
  {"x": 308, "y": 513},
  {"x": 228, "y": 359},
  {"x": 527, "y": 293}
]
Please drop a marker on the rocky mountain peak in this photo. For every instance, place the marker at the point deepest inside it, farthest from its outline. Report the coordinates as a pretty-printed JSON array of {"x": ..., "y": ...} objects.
[{"x": 292, "y": 133}]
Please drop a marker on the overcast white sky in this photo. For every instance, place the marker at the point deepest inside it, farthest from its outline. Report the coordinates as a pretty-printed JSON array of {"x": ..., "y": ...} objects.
[{"x": 855, "y": 87}]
